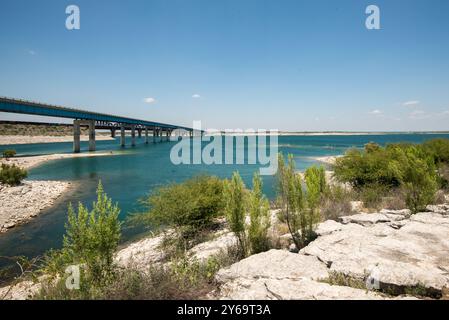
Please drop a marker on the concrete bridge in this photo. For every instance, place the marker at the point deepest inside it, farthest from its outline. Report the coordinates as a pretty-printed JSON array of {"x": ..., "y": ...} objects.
[{"x": 92, "y": 120}]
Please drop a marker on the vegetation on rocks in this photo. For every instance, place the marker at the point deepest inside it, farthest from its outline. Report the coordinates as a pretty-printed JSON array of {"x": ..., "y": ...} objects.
[
  {"x": 9, "y": 153},
  {"x": 414, "y": 171},
  {"x": 299, "y": 206},
  {"x": 253, "y": 236},
  {"x": 187, "y": 208},
  {"x": 11, "y": 174}
]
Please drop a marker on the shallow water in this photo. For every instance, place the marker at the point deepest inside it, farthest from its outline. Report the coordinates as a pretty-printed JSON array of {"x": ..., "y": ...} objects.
[{"x": 131, "y": 173}]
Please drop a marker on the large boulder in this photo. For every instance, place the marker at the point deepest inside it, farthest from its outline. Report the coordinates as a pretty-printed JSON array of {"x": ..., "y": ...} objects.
[
  {"x": 279, "y": 274},
  {"x": 412, "y": 258}
]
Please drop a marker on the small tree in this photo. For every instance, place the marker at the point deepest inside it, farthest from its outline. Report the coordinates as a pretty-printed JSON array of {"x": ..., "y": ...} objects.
[
  {"x": 12, "y": 174},
  {"x": 234, "y": 197},
  {"x": 187, "y": 208},
  {"x": 419, "y": 178},
  {"x": 299, "y": 207},
  {"x": 9, "y": 154},
  {"x": 259, "y": 213},
  {"x": 92, "y": 238}
]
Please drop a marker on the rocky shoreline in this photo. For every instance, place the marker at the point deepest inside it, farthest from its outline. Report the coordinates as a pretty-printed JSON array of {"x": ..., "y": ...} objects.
[
  {"x": 385, "y": 255},
  {"x": 20, "y": 204}
]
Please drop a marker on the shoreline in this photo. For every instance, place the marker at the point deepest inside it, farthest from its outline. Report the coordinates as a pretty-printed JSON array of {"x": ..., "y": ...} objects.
[
  {"x": 7, "y": 140},
  {"x": 35, "y": 161},
  {"x": 20, "y": 204},
  {"x": 330, "y": 160}
]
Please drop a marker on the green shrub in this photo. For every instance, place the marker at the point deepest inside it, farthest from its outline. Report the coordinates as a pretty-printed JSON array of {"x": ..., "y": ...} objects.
[
  {"x": 360, "y": 168},
  {"x": 438, "y": 149},
  {"x": 9, "y": 153},
  {"x": 187, "y": 208},
  {"x": 401, "y": 166},
  {"x": 12, "y": 174},
  {"x": 90, "y": 241},
  {"x": 299, "y": 207},
  {"x": 235, "y": 210},
  {"x": 259, "y": 213},
  {"x": 419, "y": 179}
]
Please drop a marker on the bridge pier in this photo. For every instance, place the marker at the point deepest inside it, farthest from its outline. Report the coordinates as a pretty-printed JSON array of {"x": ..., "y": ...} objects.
[
  {"x": 146, "y": 135},
  {"x": 139, "y": 133},
  {"x": 122, "y": 136},
  {"x": 113, "y": 133},
  {"x": 92, "y": 145},
  {"x": 133, "y": 135},
  {"x": 76, "y": 136}
]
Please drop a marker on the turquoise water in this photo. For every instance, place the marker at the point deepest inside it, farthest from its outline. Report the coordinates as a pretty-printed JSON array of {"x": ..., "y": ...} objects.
[{"x": 131, "y": 173}]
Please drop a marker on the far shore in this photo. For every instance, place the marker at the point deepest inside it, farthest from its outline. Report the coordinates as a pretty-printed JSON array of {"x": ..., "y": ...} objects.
[
  {"x": 18, "y": 139},
  {"x": 34, "y": 161}
]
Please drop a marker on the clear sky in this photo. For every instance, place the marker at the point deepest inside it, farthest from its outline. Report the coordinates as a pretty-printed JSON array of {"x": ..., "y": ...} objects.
[{"x": 289, "y": 65}]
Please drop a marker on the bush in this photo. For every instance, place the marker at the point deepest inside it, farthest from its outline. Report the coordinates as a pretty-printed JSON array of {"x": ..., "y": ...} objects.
[
  {"x": 12, "y": 174},
  {"x": 336, "y": 203},
  {"x": 438, "y": 149},
  {"x": 259, "y": 213},
  {"x": 9, "y": 154},
  {"x": 419, "y": 179},
  {"x": 187, "y": 208},
  {"x": 235, "y": 210},
  {"x": 90, "y": 241},
  {"x": 401, "y": 166},
  {"x": 299, "y": 207}
]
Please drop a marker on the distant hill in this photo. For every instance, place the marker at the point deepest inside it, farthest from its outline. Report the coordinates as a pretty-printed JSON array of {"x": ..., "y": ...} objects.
[{"x": 9, "y": 129}]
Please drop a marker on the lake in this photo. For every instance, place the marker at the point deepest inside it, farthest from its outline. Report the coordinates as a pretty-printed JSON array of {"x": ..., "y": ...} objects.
[{"x": 132, "y": 173}]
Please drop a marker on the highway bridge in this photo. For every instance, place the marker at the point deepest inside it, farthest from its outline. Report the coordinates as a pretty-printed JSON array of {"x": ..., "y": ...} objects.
[{"x": 93, "y": 120}]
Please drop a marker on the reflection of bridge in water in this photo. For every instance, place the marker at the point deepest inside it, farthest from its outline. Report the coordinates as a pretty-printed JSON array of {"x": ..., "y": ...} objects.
[{"x": 92, "y": 120}]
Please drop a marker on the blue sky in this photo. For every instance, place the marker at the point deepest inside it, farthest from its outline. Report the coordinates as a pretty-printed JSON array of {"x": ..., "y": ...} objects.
[{"x": 290, "y": 65}]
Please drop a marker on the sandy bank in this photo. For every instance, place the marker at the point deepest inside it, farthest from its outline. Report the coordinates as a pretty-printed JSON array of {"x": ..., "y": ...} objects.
[
  {"x": 34, "y": 161},
  {"x": 327, "y": 159},
  {"x": 21, "y": 203},
  {"x": 10, "y": 139}
]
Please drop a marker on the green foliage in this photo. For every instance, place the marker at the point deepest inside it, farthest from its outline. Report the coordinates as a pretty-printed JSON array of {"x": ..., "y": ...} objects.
[
  {"x": 187, "y": 208},
  {"x": 90, "y": 241},
  {"x": 259, "y": 213},
  {"x": 300, "y": 207},
  {"x": 376, "y": 172},
  {"x": 234, "y": 197},
  {"x": 419, "y": 179},
  {"x": 9, "y": 153},
  {"x": 12, "y": 174},
  {"x": 371, "y": 147},
  {"x": 361, "y": 169},
  {"x": 438, "y": 149}
]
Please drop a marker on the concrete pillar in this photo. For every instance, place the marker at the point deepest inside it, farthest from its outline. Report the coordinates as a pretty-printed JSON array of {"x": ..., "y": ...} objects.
[
  {"x": 113, "y": 133},
  {"x": 139, "y": 133},
  {"x": 122, "y": 136},
  {"x": 166, "y": 135},
  {"x": 154, "y": 134},
  {"x": 146, "y": 135},
  {"x": 76, "y": 136},
  {"x": 133, "y": 135},
  {"x": 92, "y": 146}
]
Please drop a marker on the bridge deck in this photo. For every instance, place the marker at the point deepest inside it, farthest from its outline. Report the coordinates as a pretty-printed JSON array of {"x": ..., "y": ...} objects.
[{"x": 41, "y": 109}]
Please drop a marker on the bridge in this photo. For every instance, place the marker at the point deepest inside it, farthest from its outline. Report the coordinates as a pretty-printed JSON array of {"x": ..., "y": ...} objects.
[{"x": 92, "y": 120}]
